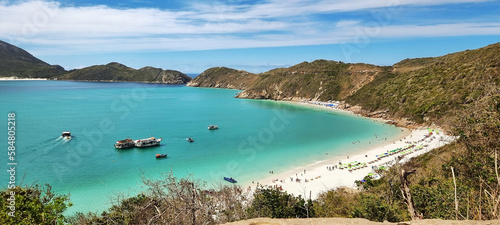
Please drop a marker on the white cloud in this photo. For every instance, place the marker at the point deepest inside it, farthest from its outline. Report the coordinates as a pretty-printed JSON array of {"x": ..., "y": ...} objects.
[{"x": 218, "y": 26}]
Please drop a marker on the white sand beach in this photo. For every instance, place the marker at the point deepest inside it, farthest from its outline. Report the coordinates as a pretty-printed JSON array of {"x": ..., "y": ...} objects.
[
  {"x": 311, "y": 180},
  {"x": 16, "y": 78}
]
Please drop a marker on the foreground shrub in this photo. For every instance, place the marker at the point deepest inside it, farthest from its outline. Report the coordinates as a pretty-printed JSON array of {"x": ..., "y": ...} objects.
[
  {"x": 274, "y": 203},
  {"x": 173, "y": 201},
  {"x": 335, "y": 203},
  {"x": 33, "y": 205}
]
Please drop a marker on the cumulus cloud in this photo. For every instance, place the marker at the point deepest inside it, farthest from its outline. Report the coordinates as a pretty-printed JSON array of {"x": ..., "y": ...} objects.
[{"x": 203, "y": 26}]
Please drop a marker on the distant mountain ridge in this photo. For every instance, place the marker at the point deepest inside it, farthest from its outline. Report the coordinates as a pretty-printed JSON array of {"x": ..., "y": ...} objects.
[
  {"x": 16, "y": 62},
  {"x": 121, "y": 73}
]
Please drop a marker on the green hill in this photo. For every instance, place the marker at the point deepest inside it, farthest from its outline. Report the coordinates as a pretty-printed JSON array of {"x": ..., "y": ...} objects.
[
  {"x": 17, "y": 62},
  {"x": 318, "y": 80},
  {"x": 423, "y": 89},
  {"x": 223, "y": 77},
  {"x": 119, "y": 72},
  {"x": 429, "y": 89}
]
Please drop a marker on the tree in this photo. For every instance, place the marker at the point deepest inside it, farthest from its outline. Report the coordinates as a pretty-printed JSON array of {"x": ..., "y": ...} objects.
[{"x": 33, "y": 205}]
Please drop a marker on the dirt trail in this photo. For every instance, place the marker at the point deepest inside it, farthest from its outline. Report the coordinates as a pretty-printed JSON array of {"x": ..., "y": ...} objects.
[{"x": 356, "y": 221}]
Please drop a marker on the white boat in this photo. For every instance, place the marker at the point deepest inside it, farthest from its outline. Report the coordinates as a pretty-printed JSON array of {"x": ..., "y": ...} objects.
[
  {"x": 148, "y": 142},
  {"x": 66, "y": 135},
  {"x": 213, "y": 127},
  {"x": 127, "y": 143}
]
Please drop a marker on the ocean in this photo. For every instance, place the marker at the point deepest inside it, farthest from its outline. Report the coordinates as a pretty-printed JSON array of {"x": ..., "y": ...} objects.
[{"x": 254, "y": 136}]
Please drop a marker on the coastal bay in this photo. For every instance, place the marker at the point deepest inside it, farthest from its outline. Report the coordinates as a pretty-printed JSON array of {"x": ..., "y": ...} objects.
[{"x": 254, "y": 136}]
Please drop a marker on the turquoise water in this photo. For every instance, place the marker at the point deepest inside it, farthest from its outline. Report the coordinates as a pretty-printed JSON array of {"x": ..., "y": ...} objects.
[{"x": 254, "y": 136}]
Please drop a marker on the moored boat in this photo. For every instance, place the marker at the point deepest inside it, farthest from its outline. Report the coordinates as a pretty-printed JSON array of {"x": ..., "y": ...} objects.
[
  {"x": 213, "y": 127},
  {"x": 126, "y": 143},
  {"x": 158, "y": 156},
  {"x": 189, "y": 140},
  {"x": 230, "y": 179},
  {"x": 147, "y": 142}
]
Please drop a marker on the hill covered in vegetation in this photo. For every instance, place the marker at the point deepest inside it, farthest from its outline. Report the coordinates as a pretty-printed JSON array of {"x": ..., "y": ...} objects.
[
  {"x": 17, "y": 62},
  {"x": 223, "y": 77},
  {"x": 319, "y": 80},
  {"x": 431, "y": 89},
  {"x": 119, "y": 72},
  {"x": 422, "y": 90}
]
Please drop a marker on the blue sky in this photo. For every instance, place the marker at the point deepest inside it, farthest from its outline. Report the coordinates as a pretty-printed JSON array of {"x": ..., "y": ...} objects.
[{"x": 252, "y": 35}]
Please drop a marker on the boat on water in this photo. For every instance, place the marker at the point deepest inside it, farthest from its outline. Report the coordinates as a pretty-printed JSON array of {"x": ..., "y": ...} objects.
[
  {"x": 159, "y": 156},
  {"x": 126, "y": 143},
  {"x": 213, "y": 127},
  {"x": 147, "y": 142},
  {"x": 230, "y": 179},
  {"x": 66, "y": 135},
  {"x": 189, "y": 140}
]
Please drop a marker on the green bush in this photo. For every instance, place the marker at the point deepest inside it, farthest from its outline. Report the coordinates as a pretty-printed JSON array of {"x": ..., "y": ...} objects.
[
  {"x": 33, "y": 205},
  {"x": 376, "y": 208},
  {"x": 275, "y": 203}
]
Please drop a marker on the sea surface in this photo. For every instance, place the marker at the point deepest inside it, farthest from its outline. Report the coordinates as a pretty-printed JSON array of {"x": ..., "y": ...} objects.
[{"x": 254, "y": 136}]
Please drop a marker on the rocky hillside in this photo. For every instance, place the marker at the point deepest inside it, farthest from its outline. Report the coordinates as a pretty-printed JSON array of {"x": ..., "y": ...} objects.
[
  {"x": 423, "y": 89},
  {"x": 430, "y": 89},
  {"x": 17, "y": 62},
  {"x": 318, "y": 80},
  {"x": 119, "y": 72},
  {"x": 223, "y": 77}
]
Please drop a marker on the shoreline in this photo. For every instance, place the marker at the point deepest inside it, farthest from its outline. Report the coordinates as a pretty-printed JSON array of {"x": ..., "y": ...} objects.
[
  {"x": 320, "y": 176},
  {"x": 13, "y": 78}
]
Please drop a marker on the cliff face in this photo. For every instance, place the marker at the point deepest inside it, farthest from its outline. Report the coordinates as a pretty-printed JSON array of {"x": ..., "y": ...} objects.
[
  {"x": 223, "y": 77},
  {"x": 118, "y": 72}
]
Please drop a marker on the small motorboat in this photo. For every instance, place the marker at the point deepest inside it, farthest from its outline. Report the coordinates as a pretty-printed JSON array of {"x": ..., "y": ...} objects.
[
  {"x": 230, "y": 179},
  {"x": 189, "y": 140},
  {"x": 66, "y": 135},
  {"x": 159, "y": 156},
  {"x": 213, "y": 127}
]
